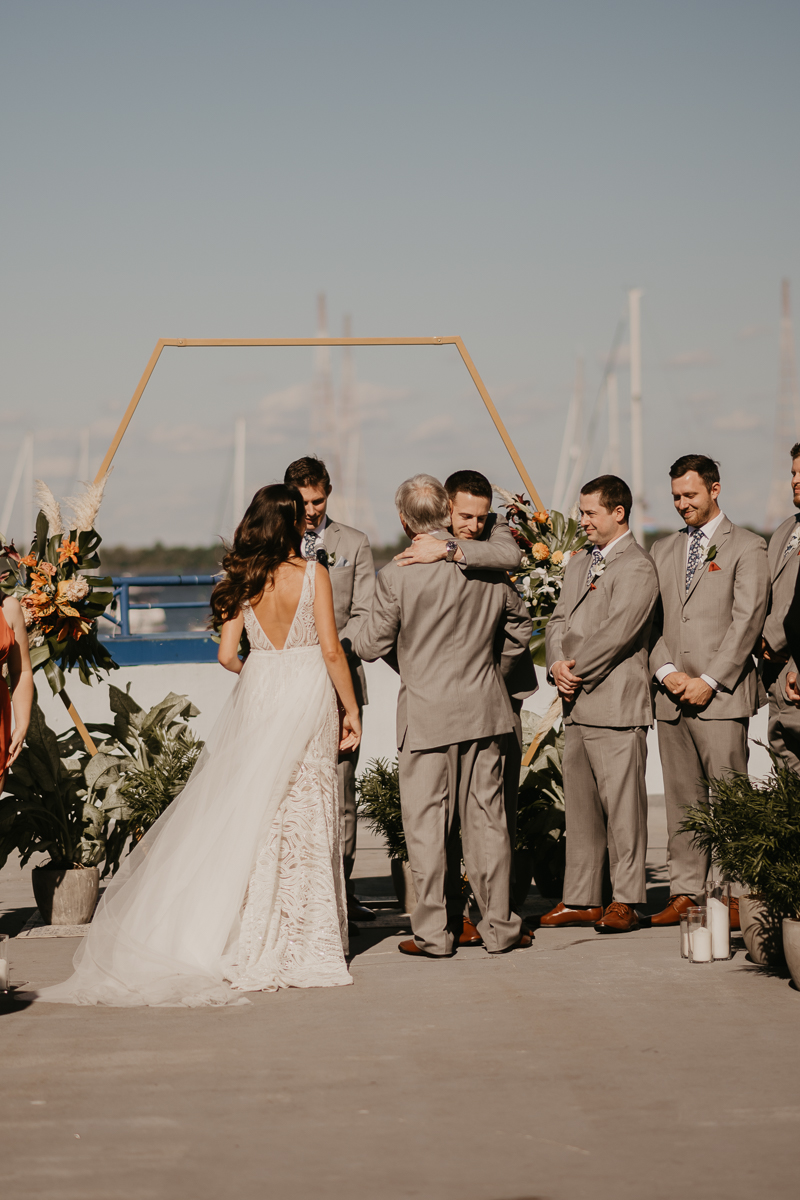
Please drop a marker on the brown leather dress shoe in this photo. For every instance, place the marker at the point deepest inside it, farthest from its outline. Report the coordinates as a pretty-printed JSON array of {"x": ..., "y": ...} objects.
[
  {"x": 469, "y": 935},
  {"x": 411, "y": 947},
  {"x": 671, "y": 915},
  {"x": 618, "y": 918},
  {"x": 735, "y": 923},
  {"x": 522, "y": 943},
  {"x": 563, "y": 917}
]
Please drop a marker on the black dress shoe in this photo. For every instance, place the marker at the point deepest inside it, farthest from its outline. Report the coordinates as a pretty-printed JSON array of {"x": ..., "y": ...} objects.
[{"x": 356, "y": 911}]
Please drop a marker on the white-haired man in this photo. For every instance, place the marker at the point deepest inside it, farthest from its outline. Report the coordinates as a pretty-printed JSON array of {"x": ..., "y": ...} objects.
[{"x": 439, "y": 629}]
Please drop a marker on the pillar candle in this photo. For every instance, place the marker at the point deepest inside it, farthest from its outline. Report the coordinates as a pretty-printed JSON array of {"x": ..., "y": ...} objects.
[
  {"x": 3, "y": 974},
  {"x": 719, "y": 922},
  {"x": 684, "y": 939},
  {"x": 701, "y": 944}
]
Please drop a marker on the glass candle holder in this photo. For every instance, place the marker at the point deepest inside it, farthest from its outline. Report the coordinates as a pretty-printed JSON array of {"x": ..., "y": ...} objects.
[
  {"x": 718, "y": 905},
  {"x": 5, "y": 973},
  {"x": 684, "y": 935},
  {"x": 699, "y": 936}
]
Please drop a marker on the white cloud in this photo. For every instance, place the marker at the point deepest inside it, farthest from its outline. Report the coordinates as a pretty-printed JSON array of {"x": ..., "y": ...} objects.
[
  {"x": 737, "y": 421},
  {"x": 432, "y": 428},
  {"x": 690, "y": 358}
]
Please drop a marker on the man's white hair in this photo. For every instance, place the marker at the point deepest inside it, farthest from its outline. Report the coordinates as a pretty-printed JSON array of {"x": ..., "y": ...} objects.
[{"x": 422, "y": 503}]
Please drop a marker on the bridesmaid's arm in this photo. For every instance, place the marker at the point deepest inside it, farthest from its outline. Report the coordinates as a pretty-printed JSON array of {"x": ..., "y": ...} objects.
[
  {"x": 336, "y": 659},
  {"x": 20, "y": 675},
  {"x": 230, "y": 636}
]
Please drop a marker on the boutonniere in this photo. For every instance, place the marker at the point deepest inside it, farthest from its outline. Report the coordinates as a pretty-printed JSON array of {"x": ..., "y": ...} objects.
[
  {"x": 710, "y": 555},
  {"x": 595, "y": 572}
]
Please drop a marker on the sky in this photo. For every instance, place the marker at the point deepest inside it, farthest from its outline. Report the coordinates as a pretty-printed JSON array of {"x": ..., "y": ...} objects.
[{"x": 504, "y": 171}]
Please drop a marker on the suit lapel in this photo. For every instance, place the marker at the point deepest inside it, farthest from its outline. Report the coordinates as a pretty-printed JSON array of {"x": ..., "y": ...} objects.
[
  {"x": 332, "y": 534},
  {"x": 579, "y": 588},
  {"x": 679, "y": 562},
  {"x": 720, "y": 534},
  {"x": 784, "y": 558}
]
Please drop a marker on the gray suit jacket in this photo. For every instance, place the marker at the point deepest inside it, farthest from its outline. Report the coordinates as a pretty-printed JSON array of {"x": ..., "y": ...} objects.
[
  {"x": 353, "y": 586},
  {"x": 442, "y": 622},
  {"x": 714, "y": 628},
  {"x": 607, "y": 631},
  {"x": 780, "y": 625}
]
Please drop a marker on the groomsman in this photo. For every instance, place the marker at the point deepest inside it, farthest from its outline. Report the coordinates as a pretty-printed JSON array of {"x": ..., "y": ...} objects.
[
  {"x": 352, "y": 571},
  {"x": 779, "y": 640},
  {"x": 714, "y": 581},
  {"x": 597, "y": 655},
  {"x": 453, "y": 710}
]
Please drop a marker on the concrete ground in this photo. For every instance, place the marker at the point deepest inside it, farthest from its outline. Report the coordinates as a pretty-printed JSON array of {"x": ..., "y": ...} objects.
[{"x": 585, "y": 1068}]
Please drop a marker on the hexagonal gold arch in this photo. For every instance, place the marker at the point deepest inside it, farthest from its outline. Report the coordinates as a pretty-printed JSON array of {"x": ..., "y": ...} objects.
[{"x": 323, "y": 341}]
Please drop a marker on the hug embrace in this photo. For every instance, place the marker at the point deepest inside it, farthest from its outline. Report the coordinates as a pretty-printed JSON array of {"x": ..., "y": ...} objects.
[{"x": 244, "y": 883}]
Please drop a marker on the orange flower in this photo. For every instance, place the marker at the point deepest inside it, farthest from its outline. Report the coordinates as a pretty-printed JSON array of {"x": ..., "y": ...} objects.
[
  {"x": 540, "y": 551},
  {"x": 28, "y": 561},
  {"x": 558, "y": 558},
  {"x": 541, "y": 518},
  {"x": 68, "y": 551},
  {"x": 38, "y": 605}
]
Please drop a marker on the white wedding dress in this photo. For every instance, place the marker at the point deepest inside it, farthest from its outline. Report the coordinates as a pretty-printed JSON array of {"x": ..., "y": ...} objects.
[{"x": 239, "y": 886}]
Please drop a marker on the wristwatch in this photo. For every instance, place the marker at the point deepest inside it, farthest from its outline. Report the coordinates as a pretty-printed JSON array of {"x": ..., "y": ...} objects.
[{"x": 452, "y": 548}]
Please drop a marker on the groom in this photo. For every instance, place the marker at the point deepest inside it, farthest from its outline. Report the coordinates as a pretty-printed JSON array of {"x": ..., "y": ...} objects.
[
  {"x": 347, "y": 553},
  {"x": 453, "y": 717}
]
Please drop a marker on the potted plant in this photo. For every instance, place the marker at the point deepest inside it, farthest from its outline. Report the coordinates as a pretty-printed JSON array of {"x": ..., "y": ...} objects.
[
  {"x": 378, "y": 790},
  {"x": 540, "y": 843},
  {"x": 752, "y": 830},
  {"x": 85, "y": 810}
]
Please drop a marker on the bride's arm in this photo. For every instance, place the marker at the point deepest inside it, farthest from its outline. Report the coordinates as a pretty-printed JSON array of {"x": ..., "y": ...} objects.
[
  {"x": 230, "y": 636},
  {"x": 335, "y": 658}
]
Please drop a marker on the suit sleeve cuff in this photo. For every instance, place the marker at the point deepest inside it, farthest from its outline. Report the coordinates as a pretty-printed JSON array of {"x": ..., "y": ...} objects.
[{"x": 663, "y": 672}]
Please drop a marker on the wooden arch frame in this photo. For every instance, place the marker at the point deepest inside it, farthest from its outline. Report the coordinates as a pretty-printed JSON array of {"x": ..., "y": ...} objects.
[{"x": 320, "y": 341}]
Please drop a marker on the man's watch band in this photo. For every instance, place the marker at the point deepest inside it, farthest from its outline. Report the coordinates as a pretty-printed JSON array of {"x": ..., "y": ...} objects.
[{"x": 452, "y": 550}]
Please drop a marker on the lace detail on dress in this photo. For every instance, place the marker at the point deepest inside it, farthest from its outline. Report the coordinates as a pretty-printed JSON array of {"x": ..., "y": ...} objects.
[{"x": 293, "y": 929}]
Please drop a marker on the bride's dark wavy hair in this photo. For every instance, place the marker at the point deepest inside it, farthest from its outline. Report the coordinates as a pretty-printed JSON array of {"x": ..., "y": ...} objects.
[{"x": 266, "y": 537}]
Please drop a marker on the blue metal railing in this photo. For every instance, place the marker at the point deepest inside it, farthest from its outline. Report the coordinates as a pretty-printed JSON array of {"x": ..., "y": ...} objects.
[{"x": 123, "y": 584}]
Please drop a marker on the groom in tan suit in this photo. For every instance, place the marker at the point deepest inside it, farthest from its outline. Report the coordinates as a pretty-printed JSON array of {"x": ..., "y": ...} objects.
[
  {"x": 779, "y": 641},
  {"x": 597, "y": 655},
  {"x": 453, "y": 713},
  {"x": 714, "y": 581}
]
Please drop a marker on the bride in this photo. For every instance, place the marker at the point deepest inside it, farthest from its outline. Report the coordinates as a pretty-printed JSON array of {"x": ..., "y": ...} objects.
[{"x": 239, "y": 886}]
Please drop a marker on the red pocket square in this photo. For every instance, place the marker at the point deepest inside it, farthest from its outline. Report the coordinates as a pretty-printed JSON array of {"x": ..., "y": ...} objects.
[{"x": 713, "y": 567}]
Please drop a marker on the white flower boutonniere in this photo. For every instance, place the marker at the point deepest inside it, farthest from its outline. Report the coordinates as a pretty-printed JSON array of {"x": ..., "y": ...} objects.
[
  {"x": 710, "y": 554},
  {"x": 595, "y": 572}
]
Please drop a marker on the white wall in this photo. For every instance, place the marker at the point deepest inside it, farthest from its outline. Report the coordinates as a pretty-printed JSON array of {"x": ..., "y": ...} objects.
[{"x": 208, "y": 686}]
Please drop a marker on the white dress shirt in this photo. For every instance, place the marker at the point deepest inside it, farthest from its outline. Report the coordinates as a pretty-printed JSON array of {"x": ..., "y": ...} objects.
[
  {"x": 605, "y": 549},
  {"x": 708, "y": 530}
]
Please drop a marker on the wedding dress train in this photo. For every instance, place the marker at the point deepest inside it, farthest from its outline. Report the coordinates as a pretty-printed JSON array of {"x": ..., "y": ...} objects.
[{"x": 239, "y": 885}]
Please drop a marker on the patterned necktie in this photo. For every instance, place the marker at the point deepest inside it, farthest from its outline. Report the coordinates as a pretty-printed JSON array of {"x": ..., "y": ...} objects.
[
  {"x": 693, "y": 561},
  {"x": 597, "y": 558},
  {"x": 309, "y": 543},
  {"x": 793, "y": 542}
]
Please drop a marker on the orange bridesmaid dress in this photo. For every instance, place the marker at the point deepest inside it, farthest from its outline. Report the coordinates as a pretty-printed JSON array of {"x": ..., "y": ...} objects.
[{"x": 6, "y": 643}]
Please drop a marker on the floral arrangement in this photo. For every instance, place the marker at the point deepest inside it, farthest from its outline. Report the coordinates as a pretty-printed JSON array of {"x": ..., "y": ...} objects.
[
  {"x": 547, "y": 541},
  {"x": 60, "y": 601}
]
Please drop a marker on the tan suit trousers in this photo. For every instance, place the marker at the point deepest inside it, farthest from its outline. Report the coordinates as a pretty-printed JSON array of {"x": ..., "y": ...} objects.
[
  {"x": 693, "y": 750},
  {"x": 605, "y": 801},
  {"x": 435, "y": 785}
]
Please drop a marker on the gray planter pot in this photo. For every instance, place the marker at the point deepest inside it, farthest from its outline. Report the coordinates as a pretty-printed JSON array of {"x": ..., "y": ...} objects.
[
  {"x": 761, "y": 932},
  {"x": 791, "y": 948},
  {"x": 66, "y": 897},
  {"x": 404, "y": 888}
]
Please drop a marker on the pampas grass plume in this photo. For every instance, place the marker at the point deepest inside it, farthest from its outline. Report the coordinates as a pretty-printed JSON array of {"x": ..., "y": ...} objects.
[
  {"x": 86, "y": 507},
  {"x": 50, "y": 507}
]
